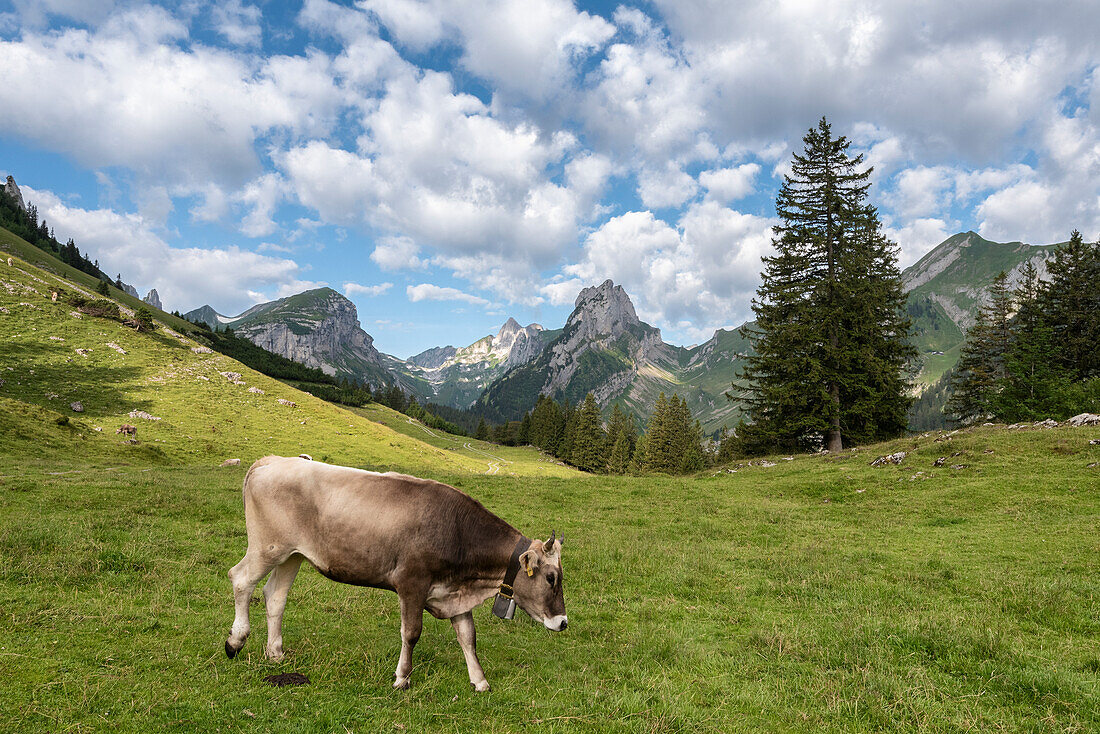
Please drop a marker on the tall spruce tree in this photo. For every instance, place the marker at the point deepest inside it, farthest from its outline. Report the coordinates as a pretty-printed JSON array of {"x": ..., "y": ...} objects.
[
  {"x": 589, "y": 440},
  {"x": 1033, "y": 382},
  {"x": 831, "y": 335},
  {"x": 1070, "y": 302},
  {"x": 981, "y": 370},
  {"x": 622, "y": 436}
]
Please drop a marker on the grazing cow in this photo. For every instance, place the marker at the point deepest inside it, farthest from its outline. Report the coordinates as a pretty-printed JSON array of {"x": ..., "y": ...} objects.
[
  {"x": 438, "y": 548},
  {"x": 127, "y": 430}
]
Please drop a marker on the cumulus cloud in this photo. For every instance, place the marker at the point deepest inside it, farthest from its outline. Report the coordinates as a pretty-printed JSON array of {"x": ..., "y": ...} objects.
[
  {"x": 355, "y": 289},
  {"x": 238, "y": 23},
  {"x": 700, "y": 274},
  {"x": 229, "y": 278},
  {"x": 430, "y": 292},
  {"x": 190, "y": 116},
  {"x": 729, "y": 184}
]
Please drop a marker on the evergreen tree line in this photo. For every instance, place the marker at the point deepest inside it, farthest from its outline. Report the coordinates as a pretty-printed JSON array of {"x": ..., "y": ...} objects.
[
  {"x": 1033, "y": 352},
  {"x": 25, "y": 224},
  {"x": 431, "y": 415},
  {"x": 672, "y": 442}
]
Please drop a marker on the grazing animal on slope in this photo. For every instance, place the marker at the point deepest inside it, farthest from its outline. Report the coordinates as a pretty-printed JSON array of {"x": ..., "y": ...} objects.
[
  {"x": 438, "y": 548},
  {"x": 127, "y": 430}
]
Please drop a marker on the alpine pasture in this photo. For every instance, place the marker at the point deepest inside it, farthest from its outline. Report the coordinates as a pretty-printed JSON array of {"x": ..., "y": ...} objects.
[{"x": 805, "y": 593}]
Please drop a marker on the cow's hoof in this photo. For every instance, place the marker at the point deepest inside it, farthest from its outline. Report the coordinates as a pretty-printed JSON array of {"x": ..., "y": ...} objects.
[
  {"x": 275, "y": 656},
  {"x": 401, "y": 684},
  {"x": 230, "y": 651},
  {"x": 482, "y": 687}
]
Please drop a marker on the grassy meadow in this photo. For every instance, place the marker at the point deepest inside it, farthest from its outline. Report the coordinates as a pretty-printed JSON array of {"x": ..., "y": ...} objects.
[{"x": 813, "y": 594}]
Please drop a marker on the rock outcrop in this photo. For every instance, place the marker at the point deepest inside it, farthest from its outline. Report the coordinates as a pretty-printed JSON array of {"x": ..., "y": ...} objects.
[
  {"x": 318, "y": 328},
  {"x": 12, "y": 190},
  {"x": 153, "y": 299}
]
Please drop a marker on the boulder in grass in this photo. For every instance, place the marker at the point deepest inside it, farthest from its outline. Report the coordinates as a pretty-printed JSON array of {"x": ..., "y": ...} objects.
[
  {"x": 288, "y": 403},
  {"x": 202, "y": 350},
  {"x": 77, "y": 406},
  {"x": 231, "y": 462},
  {"x": 895, "y": 458},
  {"x": 1084, "y": 419}
]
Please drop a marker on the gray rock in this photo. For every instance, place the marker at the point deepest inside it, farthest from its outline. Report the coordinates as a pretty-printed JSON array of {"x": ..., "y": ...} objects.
[
  {"x": 230, "y": 462},
  {"x": 143, "y": 415},
  {"x": 77, "y": 406},
  {"x": 284, "y": 401},
  {"x": 153, "y": 299},
  {"x": 202, "y": 350},
  {"x": 12, "y": 190},
  {"x": 1084, "y": 419}
]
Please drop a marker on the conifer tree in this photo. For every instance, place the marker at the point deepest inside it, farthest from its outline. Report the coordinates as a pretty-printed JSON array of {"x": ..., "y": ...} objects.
[
  {"x": 621, "y": 437},
  {"x": 482, "y": 432},
  {"x": 523, "y": 437},
  {"x": 1033, "y": 381},
  {"x": 589, "y": 450},
  {"x": 831, "y": 338},
  {"x": 980, "y": 372},
  {"x": 1070, "y": 301},
  {"x": 658, "y": 439}
]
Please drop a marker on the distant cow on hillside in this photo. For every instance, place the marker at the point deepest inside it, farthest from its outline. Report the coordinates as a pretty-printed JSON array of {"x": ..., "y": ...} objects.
[
  {"x": 438, "y": 548},
  {"x": 127, "y": 430}
]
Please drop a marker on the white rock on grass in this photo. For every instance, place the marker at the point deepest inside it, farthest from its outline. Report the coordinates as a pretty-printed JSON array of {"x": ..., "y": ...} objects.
[
  {"x": 231, "y": 462},
  {"x": 143, "y": 415},
  {"x": 895, "y": 458},
  {"x": 256, "y": 390},
  {"x": 284, "y": 401},
  {"x": 116, "y": 347},
  {"x": 234, "y": 377},
  {"x": 77, "y": 406},
  {"x": 202, "y": 350},
  {"x": 1084, "y": 419}
]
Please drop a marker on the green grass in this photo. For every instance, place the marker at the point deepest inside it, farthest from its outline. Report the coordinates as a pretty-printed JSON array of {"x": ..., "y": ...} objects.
[
  {"x": 48, "y": 265},
  {"x": 818, "y": 594}
]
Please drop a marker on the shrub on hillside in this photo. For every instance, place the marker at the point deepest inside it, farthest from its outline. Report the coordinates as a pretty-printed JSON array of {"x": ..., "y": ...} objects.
[{"x": 100, "y": 307}]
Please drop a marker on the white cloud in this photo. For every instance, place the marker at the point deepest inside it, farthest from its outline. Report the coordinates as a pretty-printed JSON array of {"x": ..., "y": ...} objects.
[
  {"x": 397, "y": 253},
  {"x": 263, "y": 195},
  {"x": 355, "y": 289},
  {"x": 228, "y": 278},
  {"x": 729, "y": 184},
  {"x": 239, "y": 24},
  {"x": 703, "y": 272},
  {"x": 663, "y": 187},
  {"x": 430, "y": 292},
  {"x": 190, "y": 116}
]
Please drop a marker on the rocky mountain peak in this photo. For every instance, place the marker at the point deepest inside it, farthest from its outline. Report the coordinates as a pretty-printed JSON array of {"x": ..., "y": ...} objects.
[
  {"x": 603, "y": 309},
  {"x": 153, "y": 299},
  {"x": 12, "y": 190},
  {"x": 508, "y": 331}
]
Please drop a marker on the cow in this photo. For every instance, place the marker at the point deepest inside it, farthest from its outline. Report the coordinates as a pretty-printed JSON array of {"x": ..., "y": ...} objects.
[{"x": 437, "y": 548}]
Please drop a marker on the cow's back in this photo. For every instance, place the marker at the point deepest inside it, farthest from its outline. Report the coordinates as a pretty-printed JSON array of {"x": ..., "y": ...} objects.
[{"x": 361, "y": 527}]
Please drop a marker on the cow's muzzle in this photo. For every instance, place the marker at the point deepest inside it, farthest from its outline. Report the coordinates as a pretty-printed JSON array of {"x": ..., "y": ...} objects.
[{"x": 557, "y": 623}]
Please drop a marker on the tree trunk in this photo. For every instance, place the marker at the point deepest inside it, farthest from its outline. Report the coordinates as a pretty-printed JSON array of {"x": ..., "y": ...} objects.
[{"x": 832, "y": 439}]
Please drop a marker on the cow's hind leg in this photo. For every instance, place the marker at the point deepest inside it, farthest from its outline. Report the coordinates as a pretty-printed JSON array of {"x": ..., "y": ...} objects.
[
  {"x": 467, "y": 638},
  {"x": 245, "y": 575},
  {"x": 275, "y": 592},
  {"x": 412, "y": 621}
]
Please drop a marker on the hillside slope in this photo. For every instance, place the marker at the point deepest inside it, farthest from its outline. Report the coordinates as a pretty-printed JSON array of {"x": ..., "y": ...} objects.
[{"x": 210, "y": 407}]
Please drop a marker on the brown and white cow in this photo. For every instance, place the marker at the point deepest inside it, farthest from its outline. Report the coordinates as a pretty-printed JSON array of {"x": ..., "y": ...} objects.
[{"x": 438, "y": 548}]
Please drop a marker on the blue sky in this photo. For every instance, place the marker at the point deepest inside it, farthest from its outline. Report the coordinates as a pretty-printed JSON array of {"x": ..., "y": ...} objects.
[{"x": 449, "y": 163}]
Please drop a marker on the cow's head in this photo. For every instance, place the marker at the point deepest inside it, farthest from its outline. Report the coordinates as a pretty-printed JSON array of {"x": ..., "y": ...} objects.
[{"x": 538, "y": 586}]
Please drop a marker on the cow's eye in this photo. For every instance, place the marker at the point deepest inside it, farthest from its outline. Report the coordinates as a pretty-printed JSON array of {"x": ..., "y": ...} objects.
[{"x": 551, "y": 579}]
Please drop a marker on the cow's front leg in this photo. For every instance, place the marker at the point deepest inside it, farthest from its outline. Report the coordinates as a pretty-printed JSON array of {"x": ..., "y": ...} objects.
[
  {"x": 412, "y": 621},
  {"x": 467, "y": 638}
]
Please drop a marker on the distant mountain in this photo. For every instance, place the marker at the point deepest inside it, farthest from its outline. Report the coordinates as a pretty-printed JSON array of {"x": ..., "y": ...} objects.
[
  {"x": 607, "y": 350},
  {"x": 456, "y": 377},
  {"x": 948, "y": 286},
  {"x": 318, "y": 328}
]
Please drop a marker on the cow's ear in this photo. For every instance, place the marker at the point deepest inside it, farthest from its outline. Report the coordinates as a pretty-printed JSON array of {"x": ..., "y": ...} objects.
[{"x": 529, "y": 561}]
